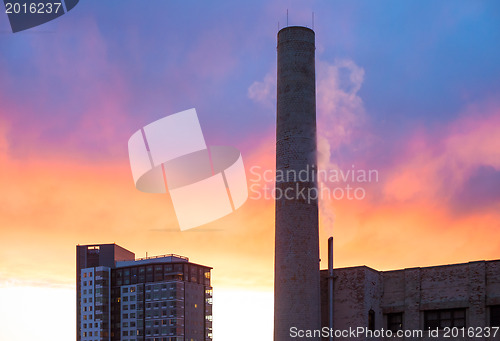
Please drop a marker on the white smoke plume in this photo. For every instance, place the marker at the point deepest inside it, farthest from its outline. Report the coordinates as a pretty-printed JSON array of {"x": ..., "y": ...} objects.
[{"x": 340, "y": 111}]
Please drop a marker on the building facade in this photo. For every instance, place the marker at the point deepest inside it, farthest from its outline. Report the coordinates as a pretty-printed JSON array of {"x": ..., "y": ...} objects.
[
  {"x": 163, "y": 298},
  {"x": 442, "y": 299}
]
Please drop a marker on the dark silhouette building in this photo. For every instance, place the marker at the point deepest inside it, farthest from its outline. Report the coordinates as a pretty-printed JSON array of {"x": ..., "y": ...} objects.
[
  {"x": 413, "y": 301},
  {"x": 163, "y": 298}
]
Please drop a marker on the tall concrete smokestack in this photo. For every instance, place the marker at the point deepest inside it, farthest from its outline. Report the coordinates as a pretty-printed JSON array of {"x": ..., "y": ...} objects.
[{"x": 296, "y": 267}]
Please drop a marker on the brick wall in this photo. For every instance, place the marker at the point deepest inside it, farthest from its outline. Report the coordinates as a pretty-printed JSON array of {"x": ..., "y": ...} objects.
[{"x": 474, "y": 286}]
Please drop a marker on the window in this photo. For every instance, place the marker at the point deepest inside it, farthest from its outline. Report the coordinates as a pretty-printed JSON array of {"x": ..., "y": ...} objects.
[
  {"x": 444, "y": 318},
  {"x": 371, "y": 320},
  {"x": 495, "y": 316},
  {"x": 395, "y": 321}
]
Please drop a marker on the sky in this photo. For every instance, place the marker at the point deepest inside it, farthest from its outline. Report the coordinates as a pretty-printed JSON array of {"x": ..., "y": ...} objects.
[{"x": 409, "y": 90}]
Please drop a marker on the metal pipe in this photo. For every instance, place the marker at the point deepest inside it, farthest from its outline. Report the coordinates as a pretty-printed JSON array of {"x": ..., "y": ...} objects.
[{"x": 330, "y": 285}]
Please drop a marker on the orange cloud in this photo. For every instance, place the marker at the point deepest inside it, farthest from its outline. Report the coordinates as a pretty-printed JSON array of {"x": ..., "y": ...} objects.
[{"x": 49, "y": 205}]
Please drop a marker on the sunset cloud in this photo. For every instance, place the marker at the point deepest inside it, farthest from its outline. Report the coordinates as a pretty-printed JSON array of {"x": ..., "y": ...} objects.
[
  {"x": 435, "y": 165},
  {"x": 419, "y": 107}
]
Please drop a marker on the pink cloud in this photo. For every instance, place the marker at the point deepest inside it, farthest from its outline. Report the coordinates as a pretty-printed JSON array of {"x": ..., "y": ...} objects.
[
  {"x": 436, "y": 164},
  {"x": 78, "y": 101}
]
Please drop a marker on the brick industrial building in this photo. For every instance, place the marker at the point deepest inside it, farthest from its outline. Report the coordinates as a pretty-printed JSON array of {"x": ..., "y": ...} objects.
[
  {"x": 419, "y": 299},
  {"x": 164, "y": 298},
  {"x": 459, "y": 295}
]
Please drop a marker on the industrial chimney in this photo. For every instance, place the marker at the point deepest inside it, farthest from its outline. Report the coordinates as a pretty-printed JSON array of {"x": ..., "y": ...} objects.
[{"x": 296, "y": 267}]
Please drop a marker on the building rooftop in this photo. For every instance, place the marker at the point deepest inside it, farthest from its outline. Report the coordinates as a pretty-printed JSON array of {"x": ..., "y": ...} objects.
[
  {"x": 170, "y": 258},
  {"x": 353, "y": 268}
]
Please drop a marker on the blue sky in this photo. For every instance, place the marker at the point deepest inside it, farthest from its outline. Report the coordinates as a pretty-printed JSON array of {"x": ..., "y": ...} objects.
[{"x": 409, "y": 88}]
